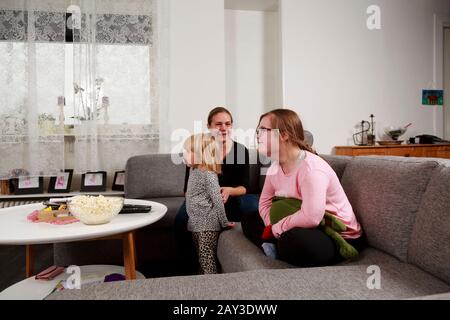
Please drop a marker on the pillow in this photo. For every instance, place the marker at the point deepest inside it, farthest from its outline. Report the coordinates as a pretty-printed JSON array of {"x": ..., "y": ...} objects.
[{"x": 283, "y": 207}]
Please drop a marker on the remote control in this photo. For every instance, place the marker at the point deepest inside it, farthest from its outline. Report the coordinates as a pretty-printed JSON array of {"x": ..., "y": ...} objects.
[{"x": 135, "y": 209}]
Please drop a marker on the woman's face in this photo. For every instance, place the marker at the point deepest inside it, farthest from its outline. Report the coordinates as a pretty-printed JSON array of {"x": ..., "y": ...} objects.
[
  {"x": 221, "y": 126},
  {"x": 267, "y": 138}
]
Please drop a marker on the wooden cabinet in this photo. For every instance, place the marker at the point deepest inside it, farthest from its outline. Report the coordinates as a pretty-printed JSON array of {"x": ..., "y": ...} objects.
[{"x": 406, "y": 150}]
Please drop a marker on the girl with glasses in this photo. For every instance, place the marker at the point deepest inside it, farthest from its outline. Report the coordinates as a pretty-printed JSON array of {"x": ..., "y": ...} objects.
[{"x": 300, "y": 190}]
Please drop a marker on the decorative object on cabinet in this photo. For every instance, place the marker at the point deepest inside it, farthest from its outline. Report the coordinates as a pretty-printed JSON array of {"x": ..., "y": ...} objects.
[{"x": 366, "y": 136}]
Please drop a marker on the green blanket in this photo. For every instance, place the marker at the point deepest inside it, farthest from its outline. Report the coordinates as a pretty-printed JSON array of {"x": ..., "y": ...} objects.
[{"x": 283, "y": 207}]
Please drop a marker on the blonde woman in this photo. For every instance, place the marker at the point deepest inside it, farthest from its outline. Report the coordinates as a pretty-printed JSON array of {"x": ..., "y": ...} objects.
[{"x": 204, "y": 202}]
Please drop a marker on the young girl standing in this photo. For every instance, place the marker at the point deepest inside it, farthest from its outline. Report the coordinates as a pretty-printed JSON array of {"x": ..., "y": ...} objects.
[
  {"x": 204, "y": 202},
  {"x": 299, "y": 173}
]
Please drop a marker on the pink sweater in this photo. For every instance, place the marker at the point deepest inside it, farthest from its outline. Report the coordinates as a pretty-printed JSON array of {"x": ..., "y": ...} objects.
[{"x": 316, "y": 184}]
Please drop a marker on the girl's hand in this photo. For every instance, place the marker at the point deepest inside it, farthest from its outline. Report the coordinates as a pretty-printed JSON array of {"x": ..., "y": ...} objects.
[
  {"x": 231, "y": 224},
  {"x": 225, "y": 192}
]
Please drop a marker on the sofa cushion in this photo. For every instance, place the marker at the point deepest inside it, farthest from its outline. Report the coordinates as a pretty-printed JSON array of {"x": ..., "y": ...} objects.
[
  {"x": 430, "y": 242},
  {"x": 153, "y": 175},
  {"x": 344, "y": 282},
  {"x": 385, "y": 194},
  {"x": 372, "y": 256},
  {"x": 172, "y": 204},
  {"x": 236, "y": 253},
  {"x": 338, "y": 163}
]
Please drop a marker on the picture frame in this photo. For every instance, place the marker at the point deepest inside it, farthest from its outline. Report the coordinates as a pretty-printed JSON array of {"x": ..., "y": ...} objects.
[
  {"x": 26, "y": 185},
  {"x": 61, "y": 183},
  {"x": 432, "y": 97},
  {"x": 93, "y": 181},
  {"x": 119, "y": 181}
]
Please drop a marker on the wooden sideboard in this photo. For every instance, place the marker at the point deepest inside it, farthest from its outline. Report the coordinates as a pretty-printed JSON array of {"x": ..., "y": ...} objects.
[{"x": 402, "y": 150}]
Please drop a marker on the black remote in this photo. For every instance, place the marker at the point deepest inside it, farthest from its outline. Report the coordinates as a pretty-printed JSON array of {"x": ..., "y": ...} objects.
[{"x": 135, "y": 209}]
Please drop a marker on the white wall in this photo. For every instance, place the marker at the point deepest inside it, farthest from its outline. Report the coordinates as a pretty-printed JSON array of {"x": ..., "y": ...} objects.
[
  {"x": 197, "y": 61},
  {"x": 447, "y": 85},
  {"x": 252, "y": 66},
  {"x": 336, "y": 72}
]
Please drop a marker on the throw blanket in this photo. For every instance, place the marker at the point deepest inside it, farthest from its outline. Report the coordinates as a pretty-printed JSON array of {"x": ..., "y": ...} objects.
[{"x": 283, "y": 207}]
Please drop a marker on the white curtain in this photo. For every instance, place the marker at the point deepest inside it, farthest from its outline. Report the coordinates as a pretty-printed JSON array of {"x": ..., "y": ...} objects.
[
  {"x": 108, "y": 58},
  {"x": 31, "y": 140}
]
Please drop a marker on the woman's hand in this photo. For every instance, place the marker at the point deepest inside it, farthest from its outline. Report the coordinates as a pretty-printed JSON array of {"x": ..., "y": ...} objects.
[{"x": 226, "y": 193}]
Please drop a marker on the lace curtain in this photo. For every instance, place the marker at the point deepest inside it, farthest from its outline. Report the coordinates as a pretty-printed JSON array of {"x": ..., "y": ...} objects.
[
  {"x": 29, "y": 142},
  {"x": 83, "y": 85}
]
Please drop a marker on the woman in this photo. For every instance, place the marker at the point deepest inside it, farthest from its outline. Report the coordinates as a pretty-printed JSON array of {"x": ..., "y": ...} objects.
[
  {"x": 298, "y": 173},
  {"x": 233, "y": 182}
]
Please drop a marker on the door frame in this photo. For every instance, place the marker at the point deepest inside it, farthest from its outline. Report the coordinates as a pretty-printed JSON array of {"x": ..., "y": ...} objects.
[{"x": 440, "y": 22}]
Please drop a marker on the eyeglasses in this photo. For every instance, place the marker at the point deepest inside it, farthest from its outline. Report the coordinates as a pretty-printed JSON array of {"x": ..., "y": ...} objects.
[{"x": 261, "y": 130}]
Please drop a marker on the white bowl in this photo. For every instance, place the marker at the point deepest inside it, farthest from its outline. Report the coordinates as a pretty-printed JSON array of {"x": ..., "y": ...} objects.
[
  {"x": 95, "y": 210},
  {"x": 395, "y": 132}
]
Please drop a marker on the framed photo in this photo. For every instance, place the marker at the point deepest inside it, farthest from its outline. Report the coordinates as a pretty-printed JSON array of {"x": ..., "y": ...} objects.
[
  {"x": 432, "y": 97},
  {"x": 93, "y": 181},
  {"x": 27, "y": 185},
  {"x": 119, "y": 181},
  {"x": 61, "y": 183}
]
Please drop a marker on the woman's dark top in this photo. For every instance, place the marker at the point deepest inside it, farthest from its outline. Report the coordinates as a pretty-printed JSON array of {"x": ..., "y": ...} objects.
[{"x": 235, "y": 169}]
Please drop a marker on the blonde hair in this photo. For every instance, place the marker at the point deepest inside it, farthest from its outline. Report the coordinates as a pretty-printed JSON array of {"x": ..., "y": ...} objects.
[
  {"x": 204, "y": 148},
  {"x": 288, "y": 122}
]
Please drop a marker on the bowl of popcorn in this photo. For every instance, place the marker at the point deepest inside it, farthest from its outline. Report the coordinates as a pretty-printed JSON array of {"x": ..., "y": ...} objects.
[{"x": 95, "y": 209}]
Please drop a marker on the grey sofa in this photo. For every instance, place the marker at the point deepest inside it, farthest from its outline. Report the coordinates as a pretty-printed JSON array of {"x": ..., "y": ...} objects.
[{"x": 403, "y": 205}]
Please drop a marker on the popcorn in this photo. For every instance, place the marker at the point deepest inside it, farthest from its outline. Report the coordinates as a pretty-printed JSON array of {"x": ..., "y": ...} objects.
[{"x": 95, "y": 210}]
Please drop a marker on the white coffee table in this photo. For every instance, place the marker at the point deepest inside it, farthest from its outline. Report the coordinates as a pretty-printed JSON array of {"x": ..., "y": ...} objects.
[
  {"x": 15, "y": 229},
  {"x": 32, "y": 289}
]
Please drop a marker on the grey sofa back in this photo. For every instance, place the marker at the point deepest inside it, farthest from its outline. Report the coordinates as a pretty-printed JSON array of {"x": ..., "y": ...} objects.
[
  {"x": 403, "y": 205},
  {"x": 385, "y": 194},
  {"x": 153, "y": 176},
  {"x": 429, "y": 247},
  {"x": 156, "y": 175}
]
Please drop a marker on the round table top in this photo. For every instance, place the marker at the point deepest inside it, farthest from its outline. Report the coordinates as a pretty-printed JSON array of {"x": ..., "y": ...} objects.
[{"x": 17, "y": 230}]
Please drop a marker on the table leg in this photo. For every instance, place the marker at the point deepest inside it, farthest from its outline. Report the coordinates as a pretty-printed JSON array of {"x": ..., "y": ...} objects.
[
  {"x": 129, "y": 255},
  {"x": 29, "y": 260}
]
